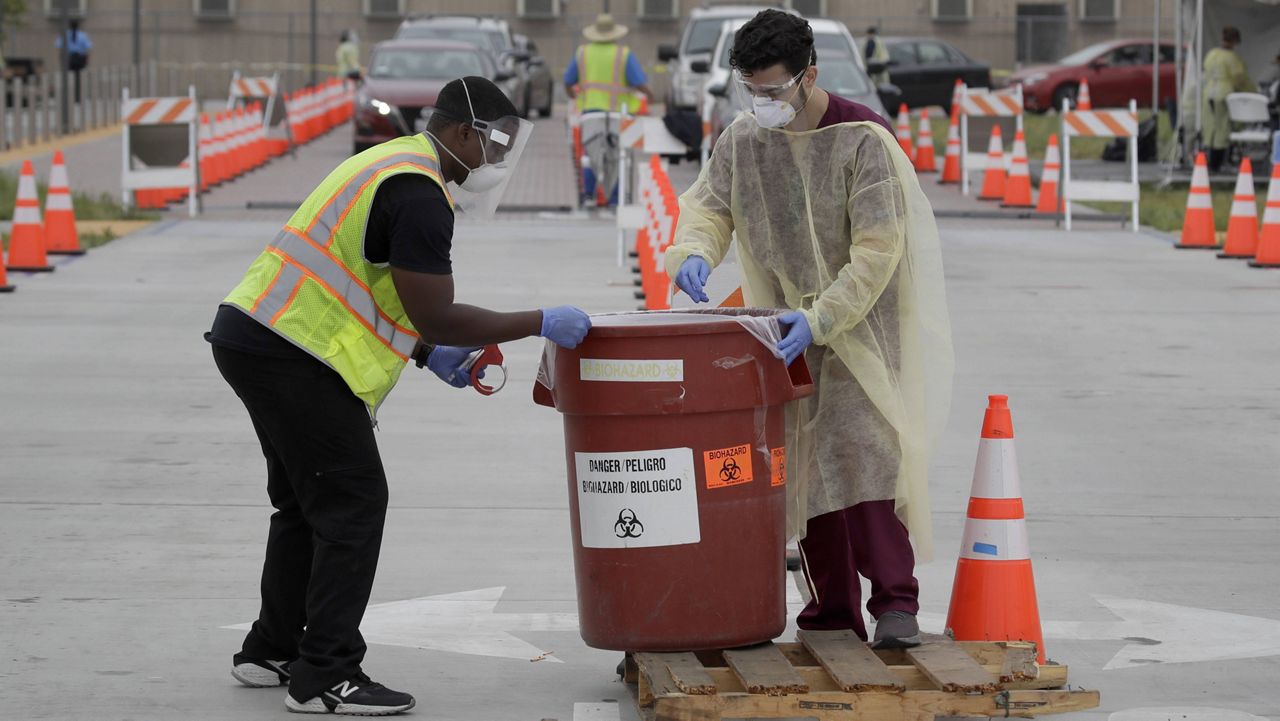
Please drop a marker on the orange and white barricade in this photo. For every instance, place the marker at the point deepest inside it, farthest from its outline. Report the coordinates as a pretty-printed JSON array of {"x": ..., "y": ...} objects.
[
  {"x": 155, "y": 132},
  {"x": 265, "y": 90},
  {"x": 637, "y": 135},
  {"x": 979, "y": 103},
  {"x": 1100, "y": 124}
]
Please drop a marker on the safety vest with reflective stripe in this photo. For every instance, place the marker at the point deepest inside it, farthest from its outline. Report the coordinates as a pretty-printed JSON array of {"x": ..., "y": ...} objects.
[
  {"x": 313, "y": 285},
  {"x": 602, "y": 76}
]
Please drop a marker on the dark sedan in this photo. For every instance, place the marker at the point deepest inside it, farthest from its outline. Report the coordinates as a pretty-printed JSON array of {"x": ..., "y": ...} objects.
[
  {"x": 404, "y": 77},
  {"x": 926, "y": 70}
]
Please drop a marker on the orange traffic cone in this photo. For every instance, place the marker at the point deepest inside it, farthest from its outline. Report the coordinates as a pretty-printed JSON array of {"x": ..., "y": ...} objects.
[
  {"x": 957, "y": 92},
  {"x": 904, "y": 131},
  {"x": 951, "y": 162},
  {"x": 994, "y": 594},
  {"x": 1048, "y": 200},
  {"x": 26, "y": 239},
  {"x": 993, "y": 179},
  {"x": 59, "y": 217},
  {"x": 1197, "y": 224},
  {"x": 1269, "y": 241},
  {"x": 4, "y": 282},
  {"x": 925, "y": 161},
  {"x": 1082, "y": 96},
  {"x": 1017, "y": 191},
  {"x": 1242, "y": 228}
]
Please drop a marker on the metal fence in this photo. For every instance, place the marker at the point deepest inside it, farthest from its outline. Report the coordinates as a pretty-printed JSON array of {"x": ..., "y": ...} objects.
[{"x": 44, "y": 106}]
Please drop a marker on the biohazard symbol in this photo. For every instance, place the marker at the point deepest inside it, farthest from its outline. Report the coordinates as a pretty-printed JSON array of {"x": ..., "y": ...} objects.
[
  {"x": 628, "y": 526},
  {"x": 730, "y": 471}
]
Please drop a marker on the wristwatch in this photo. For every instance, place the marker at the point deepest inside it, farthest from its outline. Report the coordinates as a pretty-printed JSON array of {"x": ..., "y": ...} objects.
[{"x": 424, "y": 351}]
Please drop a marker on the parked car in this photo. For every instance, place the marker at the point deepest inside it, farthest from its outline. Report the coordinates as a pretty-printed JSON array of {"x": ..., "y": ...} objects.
[
  {"x": 696, "y": 44},
  {"x": 405, "y": 76},
  {"x": 1118, "y": 71},
  {"x": 540, "y": 88},
  {"x": 495, "y": 37},
  {"x": 926, "y": 70},
  {"x": 839, "y": 71}
]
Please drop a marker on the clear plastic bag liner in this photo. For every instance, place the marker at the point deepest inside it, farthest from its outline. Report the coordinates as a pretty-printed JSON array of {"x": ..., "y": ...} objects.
[{"x": 761, "y": 323}]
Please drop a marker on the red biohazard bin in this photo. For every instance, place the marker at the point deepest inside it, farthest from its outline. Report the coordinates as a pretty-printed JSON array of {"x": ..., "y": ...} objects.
[{"x": 675, "y": 446}]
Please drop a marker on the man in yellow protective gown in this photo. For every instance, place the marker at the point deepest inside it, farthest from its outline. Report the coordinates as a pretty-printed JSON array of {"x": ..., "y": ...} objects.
[
  {"x": 1224, "y": 73},
  {"x": 831, "y": 225}
]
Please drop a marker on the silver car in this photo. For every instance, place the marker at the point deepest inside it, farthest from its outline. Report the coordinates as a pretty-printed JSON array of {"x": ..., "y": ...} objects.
[{"x": 696, "y": 44}]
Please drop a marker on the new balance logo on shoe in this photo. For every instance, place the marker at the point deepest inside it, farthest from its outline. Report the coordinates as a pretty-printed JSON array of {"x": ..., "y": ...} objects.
[{"x": 345, "y": 689}]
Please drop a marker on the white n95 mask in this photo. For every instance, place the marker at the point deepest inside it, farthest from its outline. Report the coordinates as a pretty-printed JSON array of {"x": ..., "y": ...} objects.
[{"x": 772, "y": 113}]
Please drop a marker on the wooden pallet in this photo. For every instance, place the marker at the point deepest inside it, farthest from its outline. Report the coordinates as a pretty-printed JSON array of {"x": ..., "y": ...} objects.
[{"x": 834, "y": 676}]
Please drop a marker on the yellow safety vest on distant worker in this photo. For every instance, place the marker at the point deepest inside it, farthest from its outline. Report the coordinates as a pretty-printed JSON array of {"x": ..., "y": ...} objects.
[
  {"x": 313, "y": 285},
  {"x": 602, "y": 77}
]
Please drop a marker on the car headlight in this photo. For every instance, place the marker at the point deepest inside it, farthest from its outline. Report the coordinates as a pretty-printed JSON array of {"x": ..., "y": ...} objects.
[{"x": 381, "y": 107}]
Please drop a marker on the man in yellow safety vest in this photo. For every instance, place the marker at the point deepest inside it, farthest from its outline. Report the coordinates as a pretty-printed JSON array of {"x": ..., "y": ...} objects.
[
  {"x": 604, "y": 76},
  {"x": 313, "y": 338}
]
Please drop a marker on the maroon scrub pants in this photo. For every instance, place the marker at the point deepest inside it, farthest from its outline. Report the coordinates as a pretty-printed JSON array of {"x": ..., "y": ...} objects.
[{"x": 865, "y": 539}]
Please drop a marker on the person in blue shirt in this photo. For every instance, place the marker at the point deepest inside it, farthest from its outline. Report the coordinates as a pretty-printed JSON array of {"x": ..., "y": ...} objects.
[{"x": 78, "y": 47}]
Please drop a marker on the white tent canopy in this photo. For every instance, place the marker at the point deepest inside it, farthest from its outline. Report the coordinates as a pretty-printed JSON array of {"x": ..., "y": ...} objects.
[{"x": 1199, "y": 27}]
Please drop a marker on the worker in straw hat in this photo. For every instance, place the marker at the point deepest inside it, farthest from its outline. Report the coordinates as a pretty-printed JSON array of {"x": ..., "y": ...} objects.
[{"x": 604, "y": 76}]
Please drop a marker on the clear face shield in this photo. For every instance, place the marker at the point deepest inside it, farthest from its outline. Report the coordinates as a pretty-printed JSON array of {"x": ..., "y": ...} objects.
[
  {"x": 773, "y": 105},
  {"x": 502, "y": 142}
]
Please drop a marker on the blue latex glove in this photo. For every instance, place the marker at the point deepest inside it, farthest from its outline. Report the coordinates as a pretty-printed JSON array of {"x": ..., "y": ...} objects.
[
  {"x": 797, "y": 338},
  {"x": 445, "y": 360},
  {"x": 692, "y": 275},
  {"x": 565, "y": 325}
]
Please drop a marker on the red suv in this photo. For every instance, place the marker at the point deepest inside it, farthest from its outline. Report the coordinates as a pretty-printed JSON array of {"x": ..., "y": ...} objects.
[{"x": 1117, "y": 71}]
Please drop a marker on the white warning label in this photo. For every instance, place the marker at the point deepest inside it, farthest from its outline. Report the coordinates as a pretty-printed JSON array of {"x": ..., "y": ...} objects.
[{"x": 637, "y": 499}]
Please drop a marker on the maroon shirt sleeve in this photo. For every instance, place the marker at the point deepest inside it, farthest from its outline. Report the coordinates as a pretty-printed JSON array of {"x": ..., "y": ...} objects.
[{"x": 840, "y": 110}]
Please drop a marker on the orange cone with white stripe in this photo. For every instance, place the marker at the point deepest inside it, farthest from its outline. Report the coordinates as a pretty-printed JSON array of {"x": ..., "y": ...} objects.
[
  {"x": 60, "y": 233},
  {"x": 4, "y": 282},
  {"x": 1048, "y": 201},
  {"x": 994, "y": 594},
  {"x": 993, "y": 179},
  {"x": 1082, "y": 96},
  {"x": 904, "y": 131},
  {"x": 1017, "y": 189},
  {"x": 957, "y": 92},
  {"x": 1197, "y": 224},
  {"x": 951, "y": 161},
  {"x": 925, "y": 160},
  {"x": 26, "y": 238},
  {"x": 1242, "y": 228},
  {"x": 1269, "y": 241}
]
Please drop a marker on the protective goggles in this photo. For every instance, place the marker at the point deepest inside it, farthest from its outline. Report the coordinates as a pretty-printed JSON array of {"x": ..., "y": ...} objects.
[
  {"x": 773, "y": 92},
  {"x": 502, "y": 138}
]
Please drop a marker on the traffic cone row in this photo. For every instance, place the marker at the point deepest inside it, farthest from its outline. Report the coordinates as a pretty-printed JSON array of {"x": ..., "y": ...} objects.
[
  {"x": 233, "y": 142},
  {"x": 32, "y": 238},
  {"x": 1244, "y": 240},
  {"x": 655, "y": 236}
]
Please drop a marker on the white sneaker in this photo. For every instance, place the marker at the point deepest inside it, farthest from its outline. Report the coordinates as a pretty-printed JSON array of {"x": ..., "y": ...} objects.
[{"x": 262, "y": 674}]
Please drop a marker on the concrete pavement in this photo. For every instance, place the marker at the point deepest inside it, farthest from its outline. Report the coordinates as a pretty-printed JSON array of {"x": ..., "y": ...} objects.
[{"x": 133, "y": 512}]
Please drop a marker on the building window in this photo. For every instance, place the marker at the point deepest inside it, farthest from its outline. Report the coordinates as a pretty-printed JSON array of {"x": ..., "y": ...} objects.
[
  {"x": 214, "y": 9},
  {"x": 809, "y": 8},
  {"x": 658, "y": 9},
  {"x": 74, "y": 8},
  {"x": 1099, "y": 10},
  {"x": 384, "y": 9},
  {"x": 538, "y": 8},
  {"x": 953, "y": 10}
]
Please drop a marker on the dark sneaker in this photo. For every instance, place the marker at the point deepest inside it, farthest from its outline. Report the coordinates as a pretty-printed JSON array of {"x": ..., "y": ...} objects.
[
  {"x": 261, "y": 674},
  {"x": 357, "y": 696},
  {"x": 897, "y": 629}
]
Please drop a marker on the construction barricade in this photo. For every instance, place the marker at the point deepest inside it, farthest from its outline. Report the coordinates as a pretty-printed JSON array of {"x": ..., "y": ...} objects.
[
  {"x": 160, "y": 147},
  {"x": 990, "y": 109},
  {"x": 1100, "y": 124},
  {"x": 264, "y": 94}
]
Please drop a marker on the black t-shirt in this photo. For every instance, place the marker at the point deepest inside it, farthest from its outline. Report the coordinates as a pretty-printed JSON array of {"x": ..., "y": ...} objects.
[{"x": 410, "y": 227}]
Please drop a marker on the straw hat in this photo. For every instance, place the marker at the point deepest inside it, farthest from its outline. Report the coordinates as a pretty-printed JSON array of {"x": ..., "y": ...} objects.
[{"x": 605, "y": 30}]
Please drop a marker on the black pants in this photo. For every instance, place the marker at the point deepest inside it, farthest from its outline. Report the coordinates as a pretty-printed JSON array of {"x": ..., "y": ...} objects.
[{"x": 325, "y": 480}]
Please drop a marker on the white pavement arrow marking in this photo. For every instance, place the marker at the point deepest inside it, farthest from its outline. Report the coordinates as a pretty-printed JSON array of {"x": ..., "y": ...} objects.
[
  {"x": 1164, "y": 633},
  {"x": 459, "y": 623}
]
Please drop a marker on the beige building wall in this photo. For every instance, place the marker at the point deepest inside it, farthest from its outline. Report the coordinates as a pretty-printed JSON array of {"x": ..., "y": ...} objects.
[{"x": 278, "y": 31}]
